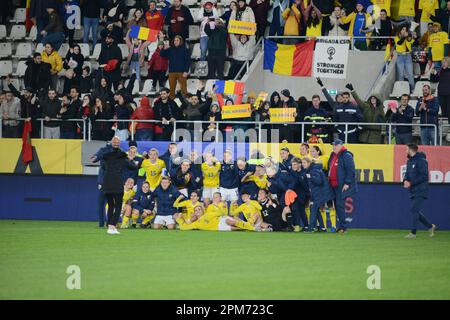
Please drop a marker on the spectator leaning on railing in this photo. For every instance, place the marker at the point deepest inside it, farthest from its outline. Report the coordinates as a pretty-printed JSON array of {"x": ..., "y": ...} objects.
[
  {"x": 144, "y": 130},
  {"x": 427, "y": 108},
  {"x": 9, "y": 111},
  {"x": 166, "y": 111},
  {"x": 403, "y": 114},
  {"x": 50, "y": 109},
  {"x": 69, "y": 111}
]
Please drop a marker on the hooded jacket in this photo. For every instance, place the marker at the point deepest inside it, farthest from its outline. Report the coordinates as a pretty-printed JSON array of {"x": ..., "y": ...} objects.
[
  {"x": 37, "y": 75},
  {"x": 346, "y": 173},
  {"x": 417, "y": 175},
  {"x": 54, "y": 59},
  {"x": 158, "y": 62},
  {"x": 144, "y": 112},
  {"x": 370, "y": 134},
  {"x": 319, "y": 187}
]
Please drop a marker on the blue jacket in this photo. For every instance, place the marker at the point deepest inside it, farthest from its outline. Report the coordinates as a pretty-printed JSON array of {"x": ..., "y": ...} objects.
[
  {"x": 301, "y": 185},
  {"x": 280, "y": 183},
  {"x": 143, "y": 201},
  {"x": 347, "y": 112},
  {"x": 406, "y": 117},
  {"x": 99, "y": 157},
  {"x": 179, "y": 58},
  {"x": 229, "y": 176},
  {"x": 346, "y": 172},
  {"x": 321, "y": 191},
  {"x": 285, "y": 165},
  {"x": 242, "y": 173},
  {"x": 165, "y": 199},
  {"x": 167, "y": 158},
  {"x": 417, "y": 175},
  {"x": 430, "y": 114},
  {"x": 179, "y": 180}
]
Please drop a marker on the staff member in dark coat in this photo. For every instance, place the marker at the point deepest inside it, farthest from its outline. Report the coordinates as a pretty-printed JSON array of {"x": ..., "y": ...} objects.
[
  {"x": 416, "y": 180},
  {"x": 109, "y": 59},
  {"x": 342, "y": 178},
  {"x": 115, "y": 162}
]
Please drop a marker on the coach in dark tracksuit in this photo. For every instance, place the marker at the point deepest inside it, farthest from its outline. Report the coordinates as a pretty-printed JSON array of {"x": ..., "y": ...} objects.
[
  {"x": 101, "y": 200},
  {"x": 342, "y": 178},
  {"x": 301, "y": 188},
  {"x": 416, "y": 180}
]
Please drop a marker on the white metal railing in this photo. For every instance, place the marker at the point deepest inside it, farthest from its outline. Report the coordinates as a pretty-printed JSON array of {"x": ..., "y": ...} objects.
[{"x": 87, "y": 126}]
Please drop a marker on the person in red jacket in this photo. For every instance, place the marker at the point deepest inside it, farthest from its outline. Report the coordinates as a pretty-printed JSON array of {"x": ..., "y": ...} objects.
[
  {"x": 144, "y": 130},
  {"x": 157, "y": 67},
  {"x": 154, "y": 17}
]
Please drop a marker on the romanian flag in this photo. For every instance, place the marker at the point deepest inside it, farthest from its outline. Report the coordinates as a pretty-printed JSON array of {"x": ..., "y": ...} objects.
[
  {"x": 142, "y": 33},
  {"x": 27, "y": 148},
  {"x": 229, "y": 87},
  {"x": 291, "y": 60}
]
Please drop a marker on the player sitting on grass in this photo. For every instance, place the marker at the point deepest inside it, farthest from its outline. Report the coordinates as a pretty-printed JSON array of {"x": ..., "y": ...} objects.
[
  {"x": 153, "y": 167},
  {"x": 142, "y": 205},
  {"x": 271, "y": 212},
  {"x": 214, "y": 219},
  {"x": 188, "y": 205},
  {"x": 250, "y": 210},
  {"x": 165, "y": 196},
  {"x": 210, "y": 169}
]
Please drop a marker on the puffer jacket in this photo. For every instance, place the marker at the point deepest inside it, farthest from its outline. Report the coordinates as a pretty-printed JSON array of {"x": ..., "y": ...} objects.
[
  {"x": 144, "y": 112},
  {"x": 417, "y": 175},
  {"x": 370, "y": 134},
  {"x": 242, "y": 51},
  {"x": 54, "y": 60}
]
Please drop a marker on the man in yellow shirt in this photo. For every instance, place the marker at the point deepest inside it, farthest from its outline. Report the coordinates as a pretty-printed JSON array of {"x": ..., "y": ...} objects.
[
  {"x": 153, "y": 167},
  {"x": 428, "y": 9},
  {"x": 438, "y": 44},
  {"x": 210, "y": 170}
]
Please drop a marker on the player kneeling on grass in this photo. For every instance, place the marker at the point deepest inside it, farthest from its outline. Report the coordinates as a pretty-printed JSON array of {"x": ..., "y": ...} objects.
[
  {"x": 188, "y": 205},
  {"x": 320, "y": 190},
  {"x": 271, "y": 212},
  {"x": 165, "y": 196},
  {"x": 214, "y": 219},
  {"x": 141, "y": 205}
]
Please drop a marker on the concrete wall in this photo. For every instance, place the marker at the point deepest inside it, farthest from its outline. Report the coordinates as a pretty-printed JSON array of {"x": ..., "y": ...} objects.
[{"x": 364, "y": 67}]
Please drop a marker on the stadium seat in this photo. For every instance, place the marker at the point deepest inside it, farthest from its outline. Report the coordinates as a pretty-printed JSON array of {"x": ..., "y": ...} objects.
[
  {"x": 192, "y": 86},
  {"x": 18, "y": 32},
  {"x": 97, "y": 50},
  {"x": 39, "y": 48},
  {"x": 19, "y": 16},
  {"x": 400, "y": 87},
  {"x": 194, "y": 12},
  {"x": 2, "y": 32},
  {"x": 137, "y": 101},
  {"x": 23, "y": 50},
  {"x": 144, "y": 71},
  {"x": 135, "y": 86},
  {"x": 63, "y": 50},
  {"x": 78, "y": 34},
  {"x": 130, "y": 3},
  {"x": 85, "y": 50},
  {"x": 196, "y": 51},
  {"x": 125, "y": 70},
  {"x": 5, "y": 50},
  {"x": 15, "y": 83},
  {"x": 5, "y": 67},
  {"x": 124, "y": 48},
  {"x": 21, "y": 68},
  {"x": 190, "y": 3},
  {"x": 209, "y": 84},
  {"x": 32, "y": 35},
  {"x": 130, "y": 14},
  {"x": 146, "y": 90},
  {"x": 194, "y": 32},
  {"x": 87, "y": 64},
  {"x": 225, "y": 2},
  {"x": 152, "y": 48},
  {"x": 418, "y": 88},
  {"x": 386, "y": 104}
]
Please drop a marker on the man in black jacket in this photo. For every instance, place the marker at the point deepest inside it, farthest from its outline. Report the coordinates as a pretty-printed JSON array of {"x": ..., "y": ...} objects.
[
  {"x": 50, "y": 110},
  {"x": 37, "y": 75},
  {"x": 443, "y": 17},
  {"x": 404, "y": 113},
  {"x": 166, "y": 111},
  {"x": 70, "y": 111},
  {"x": 109, "y": 60},
  {"x": 29, "y": 107}
]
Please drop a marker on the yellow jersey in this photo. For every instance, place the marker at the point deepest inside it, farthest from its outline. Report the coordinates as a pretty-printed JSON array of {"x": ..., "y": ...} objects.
[
  {"x": 209, "y": 221},
  {"x": 189, "y": 207},
  {"x": 406, "y": 8},
  {"x": 436, "y": 42},
  {"x": 128, "y": 195},
  {"x": 323, "y": 160},
  {"x": 261, "y": 182},
  {"x": 211, "y": 175},
  {"x": 248, "y": 210},
  {"x": 383, "y": 4},
  {"x": 428, "y": 7},
  {"x": 153, "y": 172},
  {"x": 314, "y": 31},
  {"x": 404, "y": 47}
]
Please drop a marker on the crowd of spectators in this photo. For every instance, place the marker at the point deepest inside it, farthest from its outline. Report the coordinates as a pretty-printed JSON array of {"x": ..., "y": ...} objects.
[{"x": 103, "y": 93}]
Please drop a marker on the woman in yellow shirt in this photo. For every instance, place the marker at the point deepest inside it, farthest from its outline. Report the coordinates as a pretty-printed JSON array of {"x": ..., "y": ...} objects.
[
  {"x": 251, "y": 209},
  {"x": 319, "y": 158},
  {"x": 189, "y": 205},
  {"x": 292, "y": 24}
]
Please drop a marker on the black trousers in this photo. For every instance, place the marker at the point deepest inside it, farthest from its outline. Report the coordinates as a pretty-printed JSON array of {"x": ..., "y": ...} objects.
[
  {"x": 215, "y": 66},
  {"x": 159, "y": 77},
  {"x": 444, "y": 101},
  {"x": 114, "y": 201}
]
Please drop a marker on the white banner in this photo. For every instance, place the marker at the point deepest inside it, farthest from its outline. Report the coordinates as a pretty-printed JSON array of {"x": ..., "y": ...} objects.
[{"x": 331, "y": 57}]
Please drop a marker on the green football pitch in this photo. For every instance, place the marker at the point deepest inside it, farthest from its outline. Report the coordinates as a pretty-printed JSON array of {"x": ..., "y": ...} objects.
[{"x": 151, "y": 264}]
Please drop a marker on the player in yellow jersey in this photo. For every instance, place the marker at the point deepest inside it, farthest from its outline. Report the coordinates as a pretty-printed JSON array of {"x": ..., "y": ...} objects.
[
  {"x": 142, "y": 205},
  {"x": 188, "y": 205},
  {"x": 257, "y": 180},
  {"x": 304, "y": 151},
  {"x": 153, "y": 167},
  {"x": 250, "y": 209},
  {"x": 213, "y": 219},
  {"x": 210, "y": 170},
  {"x": 128, "y": 193}
]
